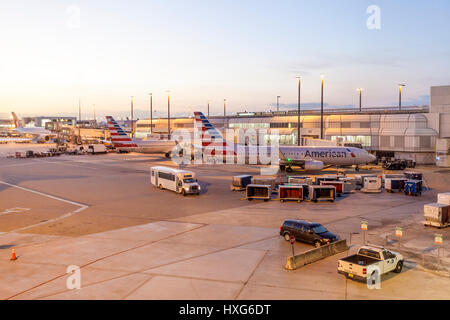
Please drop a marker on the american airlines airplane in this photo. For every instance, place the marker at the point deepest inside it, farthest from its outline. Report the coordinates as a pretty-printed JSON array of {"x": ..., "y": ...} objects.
[
  {"x": 123, "y": 143},
  {"x": 305, "y": 157},
  {"x": 41, "y": 134}
]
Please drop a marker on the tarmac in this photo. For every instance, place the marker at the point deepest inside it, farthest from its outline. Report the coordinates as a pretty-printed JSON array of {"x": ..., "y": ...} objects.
[{"x": 134, "y": 241}]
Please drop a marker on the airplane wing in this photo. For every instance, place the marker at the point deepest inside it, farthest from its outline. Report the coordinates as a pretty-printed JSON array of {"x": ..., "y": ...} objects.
[{"x": 15, "y": 140}]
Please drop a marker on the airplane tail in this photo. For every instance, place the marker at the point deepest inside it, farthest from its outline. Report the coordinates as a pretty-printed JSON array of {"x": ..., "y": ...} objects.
[
  {"x": 16, "y": 120},
  {"x": 210, "y": 136},
  {"x": 119, "y": 138}
]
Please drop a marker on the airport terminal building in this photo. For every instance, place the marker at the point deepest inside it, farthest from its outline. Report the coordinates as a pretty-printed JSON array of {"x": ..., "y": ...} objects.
[{"x": 418, "y": 133}]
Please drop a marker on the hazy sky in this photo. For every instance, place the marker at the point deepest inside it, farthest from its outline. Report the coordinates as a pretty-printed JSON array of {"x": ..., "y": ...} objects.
[{"x": 247, "y": 51}]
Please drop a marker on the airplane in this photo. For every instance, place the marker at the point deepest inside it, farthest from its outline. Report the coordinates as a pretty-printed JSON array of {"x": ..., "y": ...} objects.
[
  {"x": 40, "y": 134},
  {"x": 305, "y": 157},
  {"x": 123, "y": 143}
]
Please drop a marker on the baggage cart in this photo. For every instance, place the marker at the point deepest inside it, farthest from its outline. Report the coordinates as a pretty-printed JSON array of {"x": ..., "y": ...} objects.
[
  {"x": 394, "y": 184},
  {"x": 319, "y": 193},
  {"x": 239, "y": 183},
  {"x": 436, "y": 215},
  {"x": 413, "y": 187},
  {"x": 258, "y": 191},
  {"x": 290, "y": 192},
  {"x": 339, "y": 185}
]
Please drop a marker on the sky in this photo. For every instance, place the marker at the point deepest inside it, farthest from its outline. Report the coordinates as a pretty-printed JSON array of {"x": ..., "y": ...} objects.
[{"x": 55, "y": 53}]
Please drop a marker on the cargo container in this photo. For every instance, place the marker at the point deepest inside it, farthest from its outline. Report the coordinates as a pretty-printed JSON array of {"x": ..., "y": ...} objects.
[
  {"x": 371, "y": 184},
  {"x": 349, "y": 184},
  {"x": 394, "y": 184},
  {"x": 272, "y": 182},
  {"x": 436, "y": 215},
  {"x": 239, "y": 183},
  {"x": 360, "y": 178},
  {"x": 258, "y": 191},
  {"x": 413, "y": 187},
  {"x": 339, "y": 185},
  {"x": 318, "y": 193},
  {"x": 444, "y": 198},
  {"x": 413, "y": 175},
  {"x": 326, "y": 178},
  {"x": 300, "y": 180},
  {"x": 290, "y": 192}
]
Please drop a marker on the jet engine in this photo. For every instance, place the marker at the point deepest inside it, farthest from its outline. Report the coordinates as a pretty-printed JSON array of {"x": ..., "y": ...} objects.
[{"x": 313, "y": 165}]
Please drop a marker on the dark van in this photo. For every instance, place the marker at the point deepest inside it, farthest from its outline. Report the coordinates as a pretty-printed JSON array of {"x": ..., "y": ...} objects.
[{"x": 308, "y": 232}]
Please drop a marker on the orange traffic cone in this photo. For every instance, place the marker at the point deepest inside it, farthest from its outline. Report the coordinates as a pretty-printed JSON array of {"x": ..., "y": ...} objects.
[{"x": 13, "y": 255}]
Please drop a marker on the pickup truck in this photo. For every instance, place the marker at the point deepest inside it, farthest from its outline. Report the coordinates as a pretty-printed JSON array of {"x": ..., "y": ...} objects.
[{"x": 361, "y": 266}]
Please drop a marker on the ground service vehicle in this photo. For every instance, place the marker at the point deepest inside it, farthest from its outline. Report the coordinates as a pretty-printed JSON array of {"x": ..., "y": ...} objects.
[
  {"x": 308, "y": 232},
  {"x": 362, "y": 265},
  {"x": 180, "y": 181}
]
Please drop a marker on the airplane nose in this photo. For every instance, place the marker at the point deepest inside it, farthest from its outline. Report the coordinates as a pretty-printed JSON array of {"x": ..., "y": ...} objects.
[{"x": 372, "y": 158}]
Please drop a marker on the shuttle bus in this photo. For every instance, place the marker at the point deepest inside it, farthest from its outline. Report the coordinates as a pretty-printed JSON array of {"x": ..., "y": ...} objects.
[{"x": 180, "y": 181}]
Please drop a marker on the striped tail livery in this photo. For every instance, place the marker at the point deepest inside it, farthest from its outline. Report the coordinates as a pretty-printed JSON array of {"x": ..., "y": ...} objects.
[
  {"x": 211, "y": 137},
  {"x": 119, "y": 138}
]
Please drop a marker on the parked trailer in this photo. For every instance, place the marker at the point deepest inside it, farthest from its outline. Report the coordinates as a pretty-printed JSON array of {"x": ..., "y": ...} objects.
[
  {"x": 444, "y": 198},
  {"x": 394, "y": 184},
  {"x": 290, "y": 192},
  {"x": 372, "y": 185},
  {"x": 413, "y": 187},
  {"x": 436, "y": 215},
  {"x": 258, "y": 191},
  {"x": 318, "y": 193},
  {"x": 300, "y": 180},
  {"x": 239, "y": 183},
  {"x": 339, "y": 185}
]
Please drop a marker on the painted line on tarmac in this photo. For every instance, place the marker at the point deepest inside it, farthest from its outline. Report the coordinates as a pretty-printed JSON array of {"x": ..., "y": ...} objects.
[{"x": 81, "y": 206}]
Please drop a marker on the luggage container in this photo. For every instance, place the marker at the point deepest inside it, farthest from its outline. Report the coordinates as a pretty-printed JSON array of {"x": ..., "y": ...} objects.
[
  {"x": 258, "y": 191},
  {"x": 326, "y": 178},
  {"x": 349, "y": 184},
  {"x": 239, "y": 183},
  {"x": 436, "y": 215},
  {"x": 413, "y": 187},
  {"x": 394, "y": 184},
  {"x": 360, "y": 178},
  {"x": 300, "y": 180},
  {"x": 272, "y": 182},
  {"x": 444, "y": 198},
  {"x": 290, "y": 192},
  {"x": 318, "y": 193},
  {"x": 339, "y": 185},
  {"x": 20, "y": 154},
  {"x": 414, "y": 175},
  {"x": 372, "y": 185}
]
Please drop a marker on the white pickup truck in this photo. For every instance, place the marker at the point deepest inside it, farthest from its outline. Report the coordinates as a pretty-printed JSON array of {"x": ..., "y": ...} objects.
[{"x": 362, "y": 265}]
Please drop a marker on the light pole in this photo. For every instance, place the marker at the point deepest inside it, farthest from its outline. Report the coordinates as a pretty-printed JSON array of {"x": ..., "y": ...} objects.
[
  {"x": 224, "y": 112},
  {"x": 360, "y": 98},
  {"x": 278, "y": 103},
  {"x": 299, "y": 136},
  {"x": 209, "y": 101},
  {"x": 168, "y": 114},
  {"x": 132, "y": 116},
  {"x": 321, "y": 106},
  {"x": 151, "y": 113},
  {"x": 95, "y": 116},
  {"x": 400, "y": 86}
]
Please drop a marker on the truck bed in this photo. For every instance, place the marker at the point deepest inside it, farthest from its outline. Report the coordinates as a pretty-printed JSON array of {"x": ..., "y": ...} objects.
[{"x": 360, "y": 260}]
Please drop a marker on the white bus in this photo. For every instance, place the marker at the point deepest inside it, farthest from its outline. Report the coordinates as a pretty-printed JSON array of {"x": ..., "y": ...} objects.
[{"x": 180, "y": 181}]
